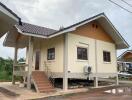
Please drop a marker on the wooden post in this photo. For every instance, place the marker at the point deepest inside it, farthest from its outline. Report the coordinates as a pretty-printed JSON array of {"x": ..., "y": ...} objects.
[
  {"x": 30, "y": 58},
  {"x": 65, "y": 68},
  {"x": 14, "y": 63}
]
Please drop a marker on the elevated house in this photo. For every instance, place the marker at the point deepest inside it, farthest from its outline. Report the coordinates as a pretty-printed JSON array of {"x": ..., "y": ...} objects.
[
  {"x": 84, "y": 50},
  {"x": 125, "y": 62}
]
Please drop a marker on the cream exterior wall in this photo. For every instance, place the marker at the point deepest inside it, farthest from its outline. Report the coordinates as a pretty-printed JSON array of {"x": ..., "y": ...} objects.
[
  {"x": 43, "y": 45},
  {"x": 104, "y": 67},
  {"x": 76, "y": 66}
]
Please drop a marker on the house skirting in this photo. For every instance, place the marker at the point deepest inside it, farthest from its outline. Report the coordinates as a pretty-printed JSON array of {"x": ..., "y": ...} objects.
[{"x": 83, "y": 76}]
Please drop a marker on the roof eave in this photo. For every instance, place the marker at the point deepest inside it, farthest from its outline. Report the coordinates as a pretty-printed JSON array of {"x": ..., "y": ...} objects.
[
  {"x": 10, "y": 11},
  {"x": 29, "y": 34}
]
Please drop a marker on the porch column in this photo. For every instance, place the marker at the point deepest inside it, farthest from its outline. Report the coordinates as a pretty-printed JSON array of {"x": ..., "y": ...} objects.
[
  {"x": 30, "y": 60},
  {"x": 96, "y": 82},
  {"x": 14, "y": 63},
  {"x": 65, "y": 67}
]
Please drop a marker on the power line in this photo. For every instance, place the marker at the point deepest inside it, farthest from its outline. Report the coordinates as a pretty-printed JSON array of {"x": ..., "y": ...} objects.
[
  {"x": 127, "y": 3},
  {"x": 120, "y": 6}
]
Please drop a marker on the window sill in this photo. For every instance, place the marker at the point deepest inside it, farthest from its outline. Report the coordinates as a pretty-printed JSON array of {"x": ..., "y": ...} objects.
[
  {"x": 107, "y": 62},
  {"x": 50, "y": 60},
  {"x": 82, "y": 60}
]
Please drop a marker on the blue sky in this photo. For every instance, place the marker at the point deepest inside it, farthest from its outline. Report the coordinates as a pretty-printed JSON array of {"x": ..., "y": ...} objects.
[{"x": 56, "y": 13}]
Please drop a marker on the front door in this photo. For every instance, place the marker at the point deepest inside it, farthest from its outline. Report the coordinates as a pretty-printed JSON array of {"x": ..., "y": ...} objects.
[{"x": 37, "y": 60}]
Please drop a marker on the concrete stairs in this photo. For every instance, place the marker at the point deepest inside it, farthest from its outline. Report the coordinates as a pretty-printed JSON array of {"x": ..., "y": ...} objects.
[{"x": 41, "y": 82}]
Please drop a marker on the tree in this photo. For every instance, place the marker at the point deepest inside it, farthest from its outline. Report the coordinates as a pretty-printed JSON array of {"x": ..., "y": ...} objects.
[{"x": 21, "y": 60}]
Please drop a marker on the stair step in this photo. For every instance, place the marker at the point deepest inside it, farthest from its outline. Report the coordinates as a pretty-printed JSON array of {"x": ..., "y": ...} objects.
[
  {"x": 45, "y": 87},
  {"x": 49, "y": 90},
  {"x": 42, "y": 82}
]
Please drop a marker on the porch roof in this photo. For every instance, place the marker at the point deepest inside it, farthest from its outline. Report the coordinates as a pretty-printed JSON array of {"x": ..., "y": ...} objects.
[
  {"x": 42, "y": 32},
  {"x": 7, "y": 19},
  {"x": 34, "y": 29}
]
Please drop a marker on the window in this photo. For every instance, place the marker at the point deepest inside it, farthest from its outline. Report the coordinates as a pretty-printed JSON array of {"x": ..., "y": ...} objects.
[
  {"x": 82, "y": 53},
  {"x": 51, "y": 54},
  {"x": 106, "y": 56}
]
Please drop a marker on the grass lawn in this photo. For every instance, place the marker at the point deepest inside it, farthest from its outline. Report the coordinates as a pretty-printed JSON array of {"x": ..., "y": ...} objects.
[{"x": 4, "y": 76}]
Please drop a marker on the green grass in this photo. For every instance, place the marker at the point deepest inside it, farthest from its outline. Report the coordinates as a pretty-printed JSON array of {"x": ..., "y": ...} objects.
[{"x": 4, "y": 76}]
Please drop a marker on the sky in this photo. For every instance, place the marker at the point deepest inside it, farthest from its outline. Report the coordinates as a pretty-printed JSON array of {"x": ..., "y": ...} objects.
[{"x": 56, "y": 13}]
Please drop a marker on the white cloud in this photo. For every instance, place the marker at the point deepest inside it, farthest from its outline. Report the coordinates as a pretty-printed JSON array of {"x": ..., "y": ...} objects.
[{"x": 55, "y": 13}]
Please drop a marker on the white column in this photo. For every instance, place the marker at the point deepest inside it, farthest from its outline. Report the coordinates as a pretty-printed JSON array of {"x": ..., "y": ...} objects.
[
  {"x": 96, "y": 65},
  {"x": 30, "y": 58},
  {"x": 65, "y": 68},
  {"x": 96, "y": 82},
  {"x": 117, "y": 80},
  {"x": 14, "y": 63}
]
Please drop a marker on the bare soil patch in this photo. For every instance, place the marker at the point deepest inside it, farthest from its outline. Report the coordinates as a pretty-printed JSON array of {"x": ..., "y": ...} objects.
[{"x": 8, "y": 93}]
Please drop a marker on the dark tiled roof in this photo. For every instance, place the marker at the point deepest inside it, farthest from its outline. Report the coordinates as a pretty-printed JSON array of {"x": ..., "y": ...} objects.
[
  {"x": 33, "y": 29},
  {"x": 38, "y": 30},
  {"x": 1, "y": 4}
]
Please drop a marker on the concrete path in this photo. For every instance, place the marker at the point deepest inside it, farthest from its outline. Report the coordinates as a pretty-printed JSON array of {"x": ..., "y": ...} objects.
[
  {"x": 120, "y": 81},
  {"x": 97, "y": 94}
]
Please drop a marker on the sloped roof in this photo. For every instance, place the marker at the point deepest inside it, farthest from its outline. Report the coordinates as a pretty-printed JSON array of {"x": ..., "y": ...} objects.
[
  {"x": 123, "y": 54},
  {"x": 37, "y": 31},
  {"x": 34, "y": 29}
]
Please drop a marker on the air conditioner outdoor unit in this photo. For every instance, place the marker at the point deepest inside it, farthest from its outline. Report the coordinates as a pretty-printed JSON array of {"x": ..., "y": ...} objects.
[{"x": 87, "y": 69}]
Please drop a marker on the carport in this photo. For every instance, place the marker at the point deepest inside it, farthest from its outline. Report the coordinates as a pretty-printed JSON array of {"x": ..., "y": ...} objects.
[{"x": 7, "y": 20}]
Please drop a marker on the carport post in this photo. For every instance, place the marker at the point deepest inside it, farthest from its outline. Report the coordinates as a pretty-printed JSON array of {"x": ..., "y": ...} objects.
[
  {"x": 30, "y": 58},
  {"x": 14, "y": 63}
]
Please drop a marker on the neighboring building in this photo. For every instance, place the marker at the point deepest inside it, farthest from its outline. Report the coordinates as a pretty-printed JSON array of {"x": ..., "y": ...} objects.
[
  {"x": 67, "y": 52},
  {"x": 125, "y": 62}
]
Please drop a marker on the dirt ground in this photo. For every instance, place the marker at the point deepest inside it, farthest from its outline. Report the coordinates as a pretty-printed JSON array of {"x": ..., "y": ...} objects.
[
  {"x": 122, "y": 92},
  {"x": 97, "y": 94}
]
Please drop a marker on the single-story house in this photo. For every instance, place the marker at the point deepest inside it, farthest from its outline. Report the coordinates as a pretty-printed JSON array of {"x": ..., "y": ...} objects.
[
  {"x": 83, "y": 50},
  {"x": 125, "y": 61}
]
